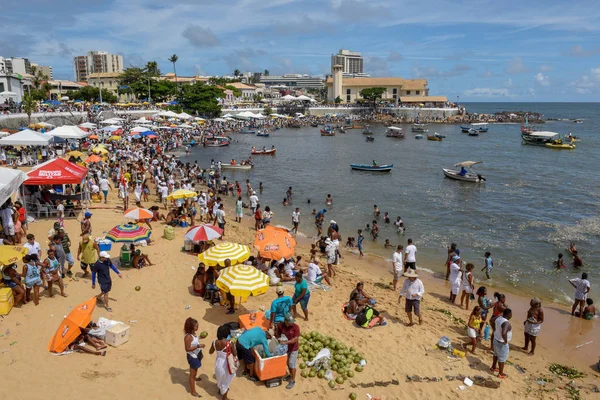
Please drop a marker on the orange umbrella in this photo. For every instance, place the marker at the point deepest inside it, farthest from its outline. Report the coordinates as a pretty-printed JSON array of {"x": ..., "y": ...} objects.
[
  {"x": 93, "y": 159},
  {"x": 274, "y": 243},
  {"x": 138, "y": 213},
  {"x": 93, "y": 136},
  {"x": 68, "y": 329}
]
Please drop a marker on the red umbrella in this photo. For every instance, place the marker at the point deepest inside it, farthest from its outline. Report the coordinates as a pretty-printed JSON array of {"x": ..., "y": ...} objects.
[{"x": 203, "y": 233}]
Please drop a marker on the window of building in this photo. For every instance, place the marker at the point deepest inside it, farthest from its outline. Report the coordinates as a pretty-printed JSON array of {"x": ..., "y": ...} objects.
[
  {"x": 1, "y": 86},
  {"x": 348, "y": 91},
  {"x": 395, "y": 96},
  {"x": 348, "y": 98},
  {"x": 395, "y": 91},
  {"x": 408, "y": 92},
  {"x": 418, "y": 92}
]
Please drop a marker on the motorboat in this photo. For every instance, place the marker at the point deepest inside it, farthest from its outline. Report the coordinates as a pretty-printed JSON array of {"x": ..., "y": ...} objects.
[
  {"x": 370, "y": 138},
  {"x": 440, "y": 135},
  {"x": 237, "y": 166},
  {"x": 538, "y": 138},
  {"x": 367, "y": 130},
  {"x": 466, "y": 173},
  {"x": 263, "y": 152},
  {"x": 217, "y": 141},
  {"x": 248, "y": 131},
  {"x": 473, "y": 132},
  {"x": 419, "y": 136},
  {"x": 262, "y": 134},
  {"x": 394, "y": 131},
  {"x": 578, "y": 121},
  {"x": 559, "y": 144},
  {"x": 328, "y": 131},
  {"x": 373, "y": 168},
  {"x": 434, "y": 138},
  {"x": 420, "y": 128},
  {"x": 342, "y": 129},
  {"x": 465, "y": 129},
  {"x": 480, "y": 127}
]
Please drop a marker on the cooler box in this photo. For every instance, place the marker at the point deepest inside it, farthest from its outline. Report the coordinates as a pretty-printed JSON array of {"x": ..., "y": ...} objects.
[
  {"x": 7, "y": 300},
  {"x": 117, "y": 335},
  {"x": 269, "y": 368},
  {"x": 105, "y": 245}
]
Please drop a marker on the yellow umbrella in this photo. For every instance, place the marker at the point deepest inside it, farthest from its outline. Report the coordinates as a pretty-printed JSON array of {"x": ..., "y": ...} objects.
[
  {"x": 75, "y": 153},
  {"x": 100, "y": 150},
  {"x": 12, "y": 254},
  {"x": 181, "y": 194},
  {"x": 216, "y": 255},
  {"x": 243, "y": 281},
  {"x": 115, "y": 137}
]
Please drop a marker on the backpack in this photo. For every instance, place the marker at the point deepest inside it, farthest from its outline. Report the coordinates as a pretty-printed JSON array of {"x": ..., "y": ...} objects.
[{"x": 361, "y": 317}]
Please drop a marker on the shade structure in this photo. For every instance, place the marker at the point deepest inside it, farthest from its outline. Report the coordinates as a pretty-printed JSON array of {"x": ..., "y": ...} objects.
[
  {"x": 100, "y": 150},
  {"x": 69, "y": 328},
  {"x": 139, "y": 129},
  {"x": 203, "y": 233},
  {"x": 128, "y": 233},
  {"x": 216, "y": 255},
  {"x": 12, "y": 254},
  {"x": 274, "y": 243},
  {"x": 87, "y": 125},
  {"x": 75, "y": 153},
  {"x": 68, "y": 132},
  {"x": 467, "y": 164},
  {"x": 181, "y": 194},
  {"x": 10, "y": 180},
  {"x": 26, "y": 137},
  {"x": 93, "y": 159},
  {"x": 56, "y": 172},
  {"x": 138, "y": 213},
  {"x": 243, "y": 281}
]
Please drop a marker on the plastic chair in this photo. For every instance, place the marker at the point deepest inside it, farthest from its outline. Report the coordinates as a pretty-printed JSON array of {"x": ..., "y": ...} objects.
[{"x": 41, "y": 208}]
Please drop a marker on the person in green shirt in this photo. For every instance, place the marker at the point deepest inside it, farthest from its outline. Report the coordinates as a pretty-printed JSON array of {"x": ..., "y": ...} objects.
[{"x": 301, "y": 295}]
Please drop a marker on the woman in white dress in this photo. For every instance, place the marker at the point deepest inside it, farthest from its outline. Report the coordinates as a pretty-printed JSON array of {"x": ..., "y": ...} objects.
[{"x": 224, "y": 378}]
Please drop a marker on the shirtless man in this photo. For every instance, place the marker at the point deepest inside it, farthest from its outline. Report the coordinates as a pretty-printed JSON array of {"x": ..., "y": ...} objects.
[{"x": 248, "y": 188}]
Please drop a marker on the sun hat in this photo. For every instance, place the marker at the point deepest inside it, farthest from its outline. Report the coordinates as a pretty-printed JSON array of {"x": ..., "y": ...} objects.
[
  {"x": 455, "y": 258},
  {"x": 410, "y": 274},
  {"x": 289, "y": 319},
  {"x": 332, "y": 222},
  {"x": 104, "y": 254},
  {"x": 280, "y": 290}
]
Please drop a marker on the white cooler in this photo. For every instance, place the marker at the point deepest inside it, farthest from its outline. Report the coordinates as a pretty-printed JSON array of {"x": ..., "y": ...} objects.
[{"x": 117, "y": 335}]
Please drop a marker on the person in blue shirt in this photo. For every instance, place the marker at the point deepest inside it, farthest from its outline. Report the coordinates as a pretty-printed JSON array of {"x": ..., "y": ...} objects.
[
  {"x": 463, "y": 171},
  {"x": 301, "y": 295},
  {"x": 279, "y": 308},
  {"x": 360, "y": 242},
  {"x": 245, "y": 343},
  {"x": 101, "y": 268},
  {"x": 489, "y": 264}
]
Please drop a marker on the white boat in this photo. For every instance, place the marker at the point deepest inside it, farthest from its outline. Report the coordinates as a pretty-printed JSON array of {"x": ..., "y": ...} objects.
[
  {"x": 394, "y": 131},
  {"x": 538, "y": 138},
  {"x": 466, "y": 173},
  {"x": 236, "y": 166},
  {"x": 420, "y": 128}
]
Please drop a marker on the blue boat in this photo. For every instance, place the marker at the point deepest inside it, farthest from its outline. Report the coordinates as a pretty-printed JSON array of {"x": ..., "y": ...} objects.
[
  {"x": 373, "y": 168},
  {"x": 262, "y": 134},
  {"x": 248, "y": 131}
]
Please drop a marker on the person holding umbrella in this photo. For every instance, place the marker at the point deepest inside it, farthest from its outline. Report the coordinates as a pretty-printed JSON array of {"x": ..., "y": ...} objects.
[{"x": 102, "y": 268}]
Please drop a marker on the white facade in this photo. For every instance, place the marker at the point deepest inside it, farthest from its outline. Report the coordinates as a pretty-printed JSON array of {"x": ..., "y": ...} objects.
[
  {"x": 15, "y": 65},
  {"x": 351, "y": 61},
  {"x": 10, "y": 83}
]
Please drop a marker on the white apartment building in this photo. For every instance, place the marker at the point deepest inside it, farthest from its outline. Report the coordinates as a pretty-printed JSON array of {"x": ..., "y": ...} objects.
[{"x": 96, "y": 62}]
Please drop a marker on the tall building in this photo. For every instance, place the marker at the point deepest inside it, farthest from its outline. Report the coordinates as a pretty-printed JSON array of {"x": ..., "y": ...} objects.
[
  {"x": 15, "y": 65},
  {"x": 293, "y": 81},
  {"x": 96, "y": 62},
  {"x": 351, "y": 61},
  {"x": 45, "y": 69}
]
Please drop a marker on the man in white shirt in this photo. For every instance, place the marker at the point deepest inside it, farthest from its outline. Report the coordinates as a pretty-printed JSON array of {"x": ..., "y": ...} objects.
[
  {"x": 253, "y": 201},
  {"x": 397, "y": 259},
  {"x": 8, "y": 225},
  {"x": 413, "y": 290},
  {"x": 202, "y": 205},
  {"x": 220, "y": 218},
  {"x": 104, "y": 186},
  {"x": 163, "y": 189},
  {"x": 582, "y": 288},
  {"x": 33, "y": 247},
  {"x": 295, "y": 220},
  {"x": 315, "y": 275},
  {"x": 410, "y": 256}
]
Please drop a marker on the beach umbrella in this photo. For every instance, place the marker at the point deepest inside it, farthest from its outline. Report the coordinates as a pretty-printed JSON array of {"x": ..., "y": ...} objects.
[
  {"x": 68, "y": 330},
  {"x": 243, "y": 281},
  {"x": 75, "y": 153},
  {"x": 100, "y": 149},
  {"x": 203, "y": 233},
  {"x": 236, "y": 253},
  {"x": 128, "y": 233},
  {"x": 12, "y": 254},
  {"x": 149, "y": 137},
  {"x": 181, "y": 194},
  {"x": 115, "y": 137},
  {"x": 93, "y": 136},
  {"x": 93, "y": 159},
  {"x": 138, "y": 213},
  {"x": 274, "y": 243}
]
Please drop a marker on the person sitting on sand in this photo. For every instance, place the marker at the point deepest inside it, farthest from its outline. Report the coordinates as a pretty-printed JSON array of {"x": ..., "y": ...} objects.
[
  {"x": 353, "y": 307},
  {"x": 288, "y": 271},
  {"x": 79, "y": 344},
  {"x": 589, "y": 312},
  {"x": 211, "y": 292},
  {"x": 315, "y": 275},
  {"x": 172, "y": 218},
  {"x": 274, "y": 274},
  {"x": 140, "y": 260},
  {"x": 363, "y": 298},
  {"x": 199, "y": 280},
  {"x": 533, "y": 323},
  {"x": 372, "y": 318}
]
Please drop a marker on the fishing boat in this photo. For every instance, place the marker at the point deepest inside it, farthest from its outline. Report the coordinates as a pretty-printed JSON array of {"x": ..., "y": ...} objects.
[
  {"x": 419, "y": 136},
  {"x": 373, "y": 168},
  {"x": 558, "y": 144},
  {"x": 263, "y": 152},
  {"x": 237, "y": 166},
  {"x": 328, "y": 131},
  {"x": 578, "y": 121},
  {"x": 480, "y": 127},
  {"x": 296, "y": 126},
  {"x": 367, "y": 130},
  {"x": 473, "y": 132},
  {"x": 314, "y": 125},
  {"x": 466, "y": 173},
  {"x": 440, "y": 135},
  {"x": 358, "y": 127},
  {"x": 395, "y": 132},
  {"x": 370, "y": 138},
  {"x": 217, "y": 141},
  {"x": 538, "y": 138},
  {"x": 248, "y": 131},
  {"x": 434, "y": 138},
  {"x": 465, "y": 129},
  {"x": 420, "y": 128},
  {"x": 324, "y": 133},
  {"x": 262, "y": 134},
  {"x": 342, "y": 129}
]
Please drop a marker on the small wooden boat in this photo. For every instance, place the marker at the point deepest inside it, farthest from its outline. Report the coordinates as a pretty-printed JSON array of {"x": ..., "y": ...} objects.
[
  {"x": 440, "y": 135},
  {"x": 269, "y": 152},
  {"x": 217, "y": 141},
  {"x": 314, "y": 125},
  {"x": 324, "y": 133},
  {"x": 248, "y": 131},
  {"x": 357, "y": 127},
  {"x": 419, "y": 136},
  {"x": 466, "y": 174},
  {"x": 296, "y": 126},
  {"x": 367, "y": 130},
  {"x": 370, "y": 138},
  {"x": 237, "y": 166},
  {"x": 372, "y": 168},
  {"x": 262, "y": 134},
  {"x": 434, "y": 138}
]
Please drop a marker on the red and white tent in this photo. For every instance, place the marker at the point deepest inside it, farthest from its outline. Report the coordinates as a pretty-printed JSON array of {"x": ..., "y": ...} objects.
[{"x": 56, "y": 172}]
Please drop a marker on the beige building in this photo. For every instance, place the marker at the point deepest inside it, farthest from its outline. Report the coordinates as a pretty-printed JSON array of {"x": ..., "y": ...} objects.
[
  {"x": 45, "y": 69},
  {"x": 96, "y": 62},
  {"x": 110, "y": 81},
  {"x": 247, "y": 92},
  {"x": 59, "y": 88},
  {"x": 348, "y": 89},
  {"x": 183, "y": 79}
]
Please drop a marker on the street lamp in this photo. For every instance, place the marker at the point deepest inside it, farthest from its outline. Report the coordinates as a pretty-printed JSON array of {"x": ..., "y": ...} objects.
[
  {"x": 149, "y": 96},
  {"x": 100, "y": 85}
]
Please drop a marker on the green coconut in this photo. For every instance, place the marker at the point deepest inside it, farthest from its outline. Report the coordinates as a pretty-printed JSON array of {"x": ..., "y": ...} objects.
[
  {"x": 339, "y": 380},
  {"x": 321, "y": 374},
  {"x": 304, "y": 374},
  {"x": 302, "y": 366},
  {"x": 350, "y": 374},
  {"x": 353, "y": 396},
  {"x": 331, "y": 383},
  {"x": 359, "y": 368},
  {"x": 312, "y": 374},
  {"x": 203, "y": 335},
  {"x": 337, "y": 357}
]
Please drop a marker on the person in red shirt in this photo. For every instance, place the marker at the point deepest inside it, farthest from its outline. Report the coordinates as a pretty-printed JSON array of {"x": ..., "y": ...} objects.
[
  {"x": 22, "y": 221},
  {"x": 292, "y": 333}
]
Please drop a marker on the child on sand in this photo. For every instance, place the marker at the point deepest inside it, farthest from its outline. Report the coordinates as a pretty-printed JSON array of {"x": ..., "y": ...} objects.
[{"x": 473, "y": 327}]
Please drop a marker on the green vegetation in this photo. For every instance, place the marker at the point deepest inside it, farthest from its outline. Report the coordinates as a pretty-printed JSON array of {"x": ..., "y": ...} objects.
[
  {"x": 201, "y": 99},
  {"x": 92, "y": 94},
  {"x": 372, "y": 94},
  {"x": 563, "y": 370},
  {"x": 454, "y": 318},
  {"x": 29, "y": 106}
]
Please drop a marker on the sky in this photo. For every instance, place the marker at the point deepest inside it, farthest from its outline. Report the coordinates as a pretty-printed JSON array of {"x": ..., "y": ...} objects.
[{"x": 478, "y": 50}]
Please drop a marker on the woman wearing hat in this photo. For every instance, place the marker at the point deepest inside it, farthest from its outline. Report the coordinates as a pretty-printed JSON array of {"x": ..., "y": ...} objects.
[{"x": 412, "y": 290}]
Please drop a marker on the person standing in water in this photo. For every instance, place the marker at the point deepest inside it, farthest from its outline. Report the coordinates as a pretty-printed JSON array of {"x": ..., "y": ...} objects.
[
  {"x": 329, "y": 200},
  {"x": 489, "y": 264}
]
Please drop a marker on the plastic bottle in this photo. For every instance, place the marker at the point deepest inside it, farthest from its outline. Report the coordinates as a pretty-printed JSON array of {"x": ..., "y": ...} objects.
[{"x": 486, "y": 332}]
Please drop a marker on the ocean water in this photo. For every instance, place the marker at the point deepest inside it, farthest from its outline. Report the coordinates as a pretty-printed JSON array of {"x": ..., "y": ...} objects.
[{"x": 534, "y": 202}]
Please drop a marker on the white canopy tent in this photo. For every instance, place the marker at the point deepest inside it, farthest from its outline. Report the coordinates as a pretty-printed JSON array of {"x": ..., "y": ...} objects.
[
  {"x": 26, "y": 137},
  {"x": 220, "y": 120},
  {"x": 185, "y": 126},
  {"x": 141, "y": 120},
  {"x": 10, "y": 180},
  {"x": 110, "y": 121},
  {"x": 68, "y": 132},
  {"x": 304, "y": 98},
  {"x": 88, "y": 125},
  {"x": 139, "y": 129},
  {"x": 199, "y": 119},
  {"x": 288, "y": 97},
  {"x": 45, "y": 124},
  {"x": 184, "y": 115},
  {"x": 167, "y": 114}
]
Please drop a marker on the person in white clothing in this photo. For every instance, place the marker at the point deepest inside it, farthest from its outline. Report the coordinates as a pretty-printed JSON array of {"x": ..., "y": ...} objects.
[
  {"x": 253, "y": 201},
  {"x": 467, "y": 285},
  {"x": 455, "y": 275},
  {"x": 502, "y": 336},
  {"x": 397, "y": 259},
  {"x": 315, "y": 275},
  {"x": 582, "y": 288},
  {"x": 410, "y": 256},
  {"x": 295, "y": 220},
  {"x": 104, "y": 186},
  {"x": 412, "y": 290}
]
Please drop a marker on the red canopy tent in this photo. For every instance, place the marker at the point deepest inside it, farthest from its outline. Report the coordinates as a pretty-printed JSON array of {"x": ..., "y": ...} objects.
[{"x": 56, "y": 172}]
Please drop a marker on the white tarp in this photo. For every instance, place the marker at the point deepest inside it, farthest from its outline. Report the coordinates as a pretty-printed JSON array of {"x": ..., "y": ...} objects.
[
  {"x": 10, "y": 180},
  {"x": 139, "y": 129},
  {"x": 68, "y": 132},
  {"x": 288, "y": 97},
  {"x": 26, "y": 137},
  {"x": 88, "y": 125},
  {"x": 184, "y": 115}
]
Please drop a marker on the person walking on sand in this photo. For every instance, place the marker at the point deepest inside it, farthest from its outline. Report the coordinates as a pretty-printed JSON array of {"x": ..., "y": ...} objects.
[
  {"x": 224, "y": 348},
  {"x": 86, "y": 224},
  {"x": 359, "y": 242},
  {"x": 301, "y": 295},
  {"x": 412, "y": 290},
  {"x": 101, "y": 268},
  {"x": 193, "y": 348},
  {"x": 87, "y": 253},
  {"x": 582, "y": 288},
  {"x": 410, "y": 256},
  {"x": 533, "y": 323},
  {"x": 220, "y": 218},
  {"x": 502, "y": 336},
  {"x": 397, "y": 268},
  {"x": 239, "y": 213},
  {"x": 474, "y": 328}
]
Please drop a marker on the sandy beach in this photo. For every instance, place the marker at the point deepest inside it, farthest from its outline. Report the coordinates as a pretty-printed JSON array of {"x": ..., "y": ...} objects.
[{"x": 153, "y": 364}]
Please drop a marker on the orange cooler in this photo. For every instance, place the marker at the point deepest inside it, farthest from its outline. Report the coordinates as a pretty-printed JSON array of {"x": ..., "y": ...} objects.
[{"x": 269, "y": 368}]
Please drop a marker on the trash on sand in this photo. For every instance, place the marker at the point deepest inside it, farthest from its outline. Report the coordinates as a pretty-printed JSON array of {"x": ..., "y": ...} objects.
[
  {"x": 585, "y": 344},
  {"x": 468, "y": 382},
  {"x": 463, "y": 388},
  {"x": 188, "y": 307}
]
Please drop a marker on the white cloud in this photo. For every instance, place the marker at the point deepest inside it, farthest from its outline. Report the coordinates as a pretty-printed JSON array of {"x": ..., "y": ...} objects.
[
  {"x": 516, "y": 66},
  {"x": 541, "y": 79},
  {"x": 486, "y": 92},
  {"x": 531, "y": 92},
  {"x": 579, "y": 51},
  {"x": 546, "y": 68},
  {"x": 588, "y": 83}
]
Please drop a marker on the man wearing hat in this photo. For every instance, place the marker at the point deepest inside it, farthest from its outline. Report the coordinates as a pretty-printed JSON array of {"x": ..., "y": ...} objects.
[
  {"x": 412, "y": 290},
  {"x": 280, "y": 307},
  {"x": 291, "y": 331},
  {"x": 101, "y": 268},
  {"x": 86, "y": 224}
]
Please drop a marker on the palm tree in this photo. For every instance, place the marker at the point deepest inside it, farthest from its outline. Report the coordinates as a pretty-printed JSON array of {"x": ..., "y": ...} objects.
[
  {"x": 236, "y": 73},
  {"x": 152, "y": 68},
  {"x": 174, "y": 59},
  {"x": 28, "y": 106}
]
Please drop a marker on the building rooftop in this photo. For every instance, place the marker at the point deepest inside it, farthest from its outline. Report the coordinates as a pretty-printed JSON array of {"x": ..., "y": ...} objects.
[
  {"x": 423, "y": 99},
  {"x": 240, "y": 85},
  {"x": 406, "y": 84}
]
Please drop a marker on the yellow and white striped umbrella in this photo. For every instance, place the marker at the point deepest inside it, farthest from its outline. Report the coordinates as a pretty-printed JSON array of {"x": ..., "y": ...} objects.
[
  {"x": 243, "y": 281},
  {"x": 236, "y": 253}
]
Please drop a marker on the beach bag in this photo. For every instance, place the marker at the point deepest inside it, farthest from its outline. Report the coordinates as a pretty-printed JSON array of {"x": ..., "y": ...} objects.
[
  {"x": 361, "y": 317},
  {"x": 232, "y": 361}
]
